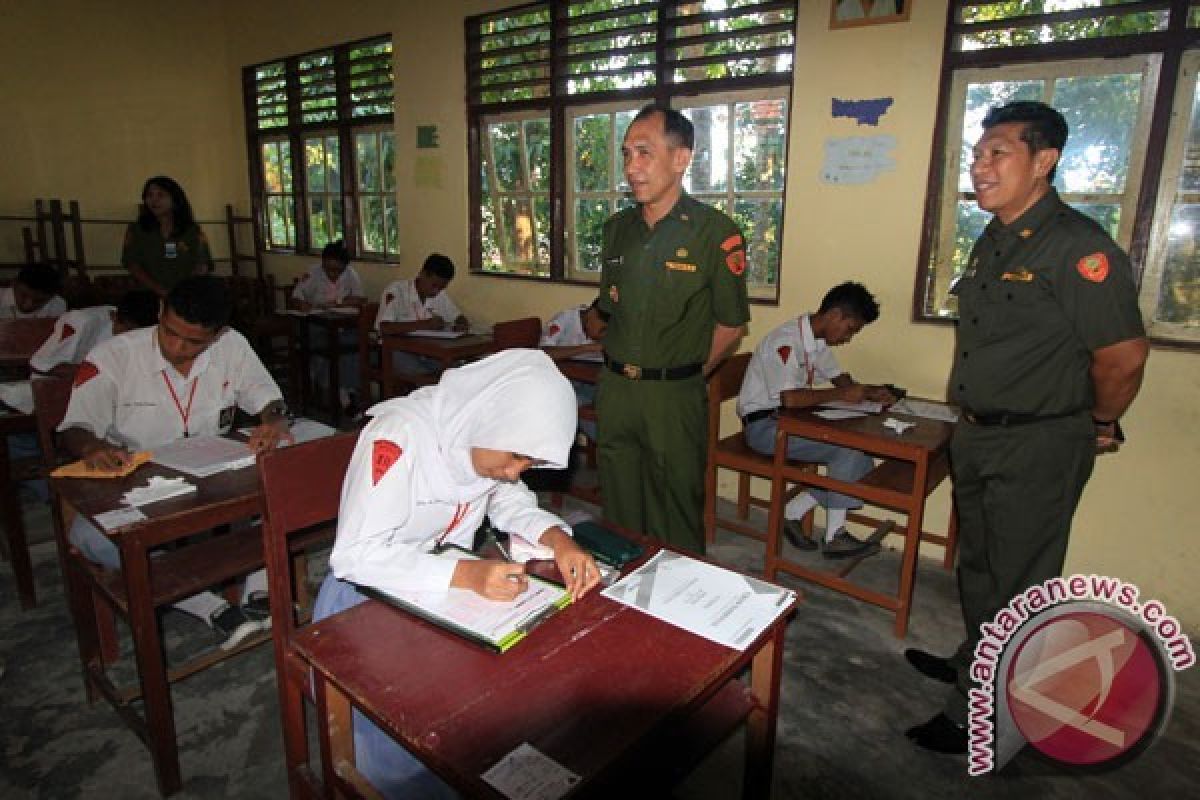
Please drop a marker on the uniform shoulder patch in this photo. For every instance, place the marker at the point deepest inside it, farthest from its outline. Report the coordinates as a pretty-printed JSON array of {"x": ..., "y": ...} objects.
[
  {"x": 1093, "y": 268},
  {"x": 732, "y": 242},
  {"x": 87, "y": 370},
  {"x": 553, "y": 330},
  {"x": 736, "y": 261},
  {"x": 784, "y": 352},
  {"x": 383, "y": 455},
  {"x": 68, "y": 330}
]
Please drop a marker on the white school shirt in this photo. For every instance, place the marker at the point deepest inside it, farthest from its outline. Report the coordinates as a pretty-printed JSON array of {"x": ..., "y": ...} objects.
[
  {"x": 121, "y": 395},
  {"x": 400, "y": 302},
  {"x": 565, "y": 329},
  {"x": 387, "y": 527},
  {"x": 789, "y": 357},
  {"x": 54, "y": 307},
  {"x": 315, "y": 288},
  {"x": 75, "y": 334}
]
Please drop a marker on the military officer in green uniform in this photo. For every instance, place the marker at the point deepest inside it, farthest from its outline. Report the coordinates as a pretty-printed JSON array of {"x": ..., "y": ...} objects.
[
  {"x": 674, "y": 286},
  {"x": 1050, "y": 352}
]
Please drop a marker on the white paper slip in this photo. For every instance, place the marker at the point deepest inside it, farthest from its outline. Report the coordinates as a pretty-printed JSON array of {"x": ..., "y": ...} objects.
[
  {"x": 201, "y": 456},
  {"x": 926, "y": 409},
  {"x": 721, "y": 605},
  {"x": 529, "y": 774},
  {"x": 865, "y": 406},
  {"x": 119, "y": 518},
  {"x": 437, "y": 334},
  {"x": 594, "y": 358},
  {"x": 897, "y": 425},
  {"x": 17, "y": 395},
  {"x": 157, "y": 488},
  {"x": 837, "y": 413},
  {"x": 303, "y": 430}
]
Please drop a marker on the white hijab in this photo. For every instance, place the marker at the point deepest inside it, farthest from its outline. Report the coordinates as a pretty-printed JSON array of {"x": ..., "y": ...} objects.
[{"x": 515, "y": 401}]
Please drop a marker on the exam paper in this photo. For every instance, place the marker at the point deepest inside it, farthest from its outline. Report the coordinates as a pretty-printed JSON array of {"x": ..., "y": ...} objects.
[
  {"x": 157, "y": 488},
  {"x": 865, "y": 406},
  {"x": 437, "y": 334},
  {"x": 529, "y": 774},
  {"x": 718, "y": 604},
  {"x": 837, "y": 413},
  {"x": 119, "y": 517},
  {"x": 303, "y": 430},
  {"x": 925, "y": 408},
  {"x": 201, "y": 456}
]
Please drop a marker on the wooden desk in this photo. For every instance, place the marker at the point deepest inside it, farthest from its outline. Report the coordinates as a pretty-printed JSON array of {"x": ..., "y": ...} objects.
[
  {"x": 447, "y": 352},
  {"x": 579, "y": 369},
  {"x": 612, "y": 694},
  {"x": 222, "y": 498},
  {"x": 19, "y": 339},
  {"x": 913, "y": 465},
  {"x": 332, "y": 324}
]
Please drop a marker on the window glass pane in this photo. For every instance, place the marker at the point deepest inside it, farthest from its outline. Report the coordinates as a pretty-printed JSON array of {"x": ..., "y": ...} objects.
[
  {"x": 759, "y": 145},
  {"x": 314, "y": 164},
  {"x": 1107, "y": 215},
  {"x": 593, "y": 152},
  {"x": 272, "y": 178},
  {"x": 969, "y": 224},
  {"x": 537, "y": 144},
  {"x": 393, "y": 229},
  {"x": 367, "y": 159},
  {"x": 387, "y": 143},
  {"x": 1179, "y": 297},
  {"x": 761, "y": 222},
  {"x": 519, "y": 247},
  {"x": 589, "y": 232},
  {"x": 541, "y": 212},
  {"x": 285, "y": 163},
  {"x": 318, "y": 222},
  {"x": 371, "y": 224},
  {"x": 709, "y": 170},
  {"x": 982, "y": 97},
  {"x": 279, "y": 222},
  {"x": 1101, "y": 113},
  {"x": 333, "y": 167},
  {"x": 505, "y": 139}
]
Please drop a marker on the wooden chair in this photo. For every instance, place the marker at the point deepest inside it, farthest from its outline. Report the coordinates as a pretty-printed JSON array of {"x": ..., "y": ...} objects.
[
  {"x": 301, "y": 489},
  {"x": 370, "y": 365},
  {"x": 731, "y": 452},
  {"x": 523, "y": 332}
]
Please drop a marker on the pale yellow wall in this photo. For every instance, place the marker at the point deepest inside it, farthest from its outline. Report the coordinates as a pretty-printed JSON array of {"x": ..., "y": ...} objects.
[
  {"x": 100, "y": 96},
  {"x": 1134, "y": 520}
]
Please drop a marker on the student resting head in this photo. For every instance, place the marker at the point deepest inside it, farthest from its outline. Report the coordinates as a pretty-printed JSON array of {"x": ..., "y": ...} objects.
[{"x": 35, "y": 285}]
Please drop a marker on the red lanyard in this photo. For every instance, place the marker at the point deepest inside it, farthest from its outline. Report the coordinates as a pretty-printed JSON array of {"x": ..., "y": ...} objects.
[
  {"x": 808, "y": 370},
  {"x": 460, "y": 513},
  {"x": 185, "y": 413}
]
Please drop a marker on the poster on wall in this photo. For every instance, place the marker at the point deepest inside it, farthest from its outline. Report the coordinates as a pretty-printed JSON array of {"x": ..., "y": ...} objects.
[
  {"x": 855, "y": 160},
  {"x": 859, "y": 13}
]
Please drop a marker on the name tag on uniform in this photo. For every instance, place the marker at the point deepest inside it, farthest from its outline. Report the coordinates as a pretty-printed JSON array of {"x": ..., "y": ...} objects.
[
  {"x": 681, "y": 266},
  {"x": 1021, "y": 275},
  {"x": 169, "y": 249}
]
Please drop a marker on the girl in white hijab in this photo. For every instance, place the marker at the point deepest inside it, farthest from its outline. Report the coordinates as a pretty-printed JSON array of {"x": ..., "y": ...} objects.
[{"x": 425, "y": 472}]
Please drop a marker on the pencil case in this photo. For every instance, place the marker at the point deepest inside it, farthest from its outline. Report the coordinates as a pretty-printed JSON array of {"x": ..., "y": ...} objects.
[{"x": 611, "y": 548}]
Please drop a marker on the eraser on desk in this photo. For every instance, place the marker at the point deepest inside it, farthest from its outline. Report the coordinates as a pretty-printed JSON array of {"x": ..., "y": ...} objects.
[{"x": 899, "y": 426}]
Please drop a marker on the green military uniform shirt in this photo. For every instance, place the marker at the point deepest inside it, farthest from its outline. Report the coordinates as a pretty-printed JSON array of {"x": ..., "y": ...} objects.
[
  {"x": 1038, "y": 296},
  {"x": 666, "y": 286},
  {"x": 167, "y": 260}
]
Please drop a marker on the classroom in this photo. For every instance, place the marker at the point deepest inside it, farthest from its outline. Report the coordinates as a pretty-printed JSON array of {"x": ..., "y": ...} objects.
[{"x": 101, "y": 96}]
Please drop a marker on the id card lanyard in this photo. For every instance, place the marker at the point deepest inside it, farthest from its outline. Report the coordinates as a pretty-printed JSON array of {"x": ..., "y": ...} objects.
[{"x": 184, "y": 413}]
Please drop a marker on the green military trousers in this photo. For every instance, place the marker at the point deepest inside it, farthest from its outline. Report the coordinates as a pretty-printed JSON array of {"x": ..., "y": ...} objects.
[
  {"x": 1016, "y": 489},
  {"x": 651, "y": 450}
]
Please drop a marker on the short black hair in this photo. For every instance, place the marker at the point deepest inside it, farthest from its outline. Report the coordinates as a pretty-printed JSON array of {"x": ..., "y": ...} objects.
[
  {"x": 678, "y": 128},
  {"x": 440, "y": 265},
  {"x": 181, "y": 209},
  {"x": 1044, "y": 127},
  {"x": 595, "y": 306},
  {"x": 40, "y": 278},
  {"x": 853, "y": 300},
  {"x": 201, "y": 300},
  {"x": 336, "y": 250},
  {"x": 138, "y": 308}
]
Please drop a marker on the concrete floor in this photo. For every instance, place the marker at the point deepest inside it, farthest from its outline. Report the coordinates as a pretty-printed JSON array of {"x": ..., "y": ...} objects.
[{"x": 848, "y": 696}]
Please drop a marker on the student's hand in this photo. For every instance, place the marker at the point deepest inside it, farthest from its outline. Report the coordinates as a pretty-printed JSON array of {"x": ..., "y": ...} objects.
[
  {"x": 436, "y": 323},
  {"x": 576, "y": 565},
  {"x": 461, "y": 324},
  {"x": 881, "y": 394},
  {"x": 592, "y": 347},
  {"x": 495, "y": 580},
  {"x": 854, "y": 393},
  {"x": 268, "y": 435},
  {"x": 106, "y": 456}
]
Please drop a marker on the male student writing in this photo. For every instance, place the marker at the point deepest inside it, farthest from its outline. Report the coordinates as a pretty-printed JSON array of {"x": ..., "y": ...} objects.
[
  {"x": 786, "y": 371},
  {"x": 420, "y": 304}
]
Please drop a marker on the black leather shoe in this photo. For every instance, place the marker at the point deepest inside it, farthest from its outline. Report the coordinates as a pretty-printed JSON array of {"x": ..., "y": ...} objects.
[
  {"x": 939, "y": 735},
  {"x": 794, "y": 533},
  {"x": 931, "y": 666}
]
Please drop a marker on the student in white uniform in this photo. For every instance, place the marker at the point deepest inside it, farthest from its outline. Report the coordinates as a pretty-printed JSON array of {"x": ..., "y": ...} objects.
[
  {"x": 333, "y": 282},
  {"x": 425, "y": 472},
  {"x": 787, "y": 367},
  {"x": 420, "y": 304},
  {"x": 185, "y": 376},
  {"x": 34, "y": 293},
  {"x": 574, "y": 332}
]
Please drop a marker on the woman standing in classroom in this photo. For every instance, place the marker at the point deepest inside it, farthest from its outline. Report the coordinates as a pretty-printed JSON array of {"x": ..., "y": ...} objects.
[{"x": 165, "y": 245}]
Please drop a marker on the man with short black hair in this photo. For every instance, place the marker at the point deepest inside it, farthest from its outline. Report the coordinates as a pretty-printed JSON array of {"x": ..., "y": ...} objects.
[
  {"x": 420, "y": 304},
  {"x": 1050, "y": 352},
  {"x": 186, "y": 376},
  {"x": 784, "y": 372}
]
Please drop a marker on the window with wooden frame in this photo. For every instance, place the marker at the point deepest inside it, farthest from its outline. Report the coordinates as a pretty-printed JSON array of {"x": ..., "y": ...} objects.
[
  {"x": 313, "y": 120},
  {"x": 1123, "y": 73},
  {"x": 552, "y": 86}
]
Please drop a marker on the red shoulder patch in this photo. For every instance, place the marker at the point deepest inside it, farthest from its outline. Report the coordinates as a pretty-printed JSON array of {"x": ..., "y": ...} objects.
[
  {"x": 383, "y": 455},
  {"x": 732, "y": 242},
  {"x": 87, "y": 370},
  {"x": 68, "y": 331},
  {"x": 1093, "y": 268},
  {"x": 736, "y": 261},
  {"x": 554, "y": 329},
  {"x": 784, "y": 352}
]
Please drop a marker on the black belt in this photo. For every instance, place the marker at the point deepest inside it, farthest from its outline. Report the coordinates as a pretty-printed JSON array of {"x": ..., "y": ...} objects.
[
  {"x": 755, "y": 416},
  {"x": 636, "y": 373},
  {"x": 1006, "y": 419}
]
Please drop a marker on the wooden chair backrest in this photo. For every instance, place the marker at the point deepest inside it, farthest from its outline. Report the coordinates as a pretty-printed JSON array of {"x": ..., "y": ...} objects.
[
  {"x": 20, "y": 338},
  {"x": 51, "y": 394},
  {"x": 301, "y": 487},
  {"x": 723, "y": 385},
  {"x": 523, "y": 332}
]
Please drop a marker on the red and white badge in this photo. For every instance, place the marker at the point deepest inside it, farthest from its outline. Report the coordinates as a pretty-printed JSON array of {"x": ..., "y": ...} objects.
[
  {"x": 1093, "y": 268},
  {"x": 383, "y": 455}
]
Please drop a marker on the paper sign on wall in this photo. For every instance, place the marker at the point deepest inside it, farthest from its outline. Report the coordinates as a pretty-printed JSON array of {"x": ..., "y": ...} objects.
[{"x": 855, "y": 160}]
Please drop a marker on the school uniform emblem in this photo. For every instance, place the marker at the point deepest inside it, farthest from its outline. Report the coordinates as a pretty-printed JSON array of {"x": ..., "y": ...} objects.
[
  {"x": 87, "y": 370},
  {"x": 68, "y": 331},
  {"x": 735, "y": 246},
  {"x": 784, "y": 352},
  {"x": 1093, "y": 268},
  {"x": 553, "y": 331},
  {"x": 383, "y": 455}
]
